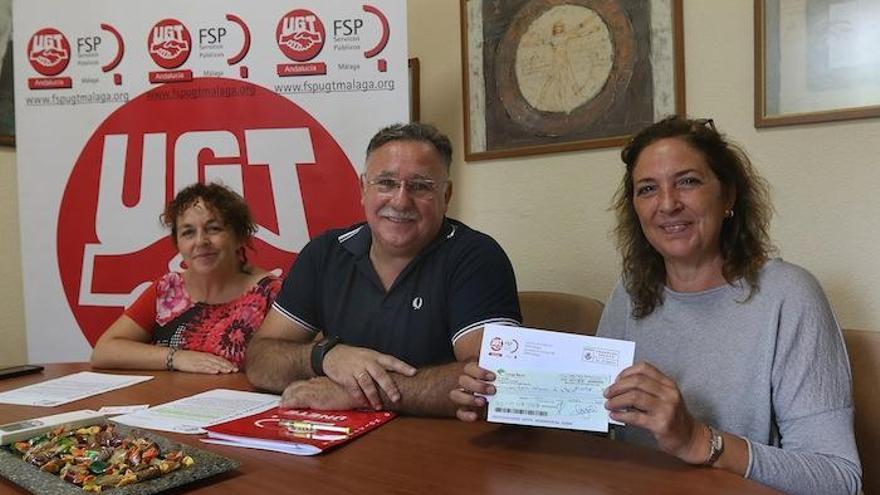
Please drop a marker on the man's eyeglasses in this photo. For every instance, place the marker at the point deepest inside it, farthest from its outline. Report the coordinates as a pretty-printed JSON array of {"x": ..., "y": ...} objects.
[{"x": 416, "y": 188}]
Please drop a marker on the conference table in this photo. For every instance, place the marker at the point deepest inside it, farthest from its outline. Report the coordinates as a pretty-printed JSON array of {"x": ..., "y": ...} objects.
[{"x": 411, "y": 455}]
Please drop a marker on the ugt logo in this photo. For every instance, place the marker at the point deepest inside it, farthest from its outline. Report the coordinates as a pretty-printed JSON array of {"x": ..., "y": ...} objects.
[
  {"x": 296, "y": 179},
  {"x": 48, "y": 52},
  {"x": 169, "y": 43},
  {"x": 300, "y": 35}
]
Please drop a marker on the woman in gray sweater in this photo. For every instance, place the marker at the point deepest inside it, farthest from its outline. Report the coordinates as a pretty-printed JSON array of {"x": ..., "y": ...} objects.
[{"x": 740, "y": 361}]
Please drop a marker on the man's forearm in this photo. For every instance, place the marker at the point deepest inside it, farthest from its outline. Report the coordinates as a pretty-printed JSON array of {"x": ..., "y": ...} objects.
[
  {"x": 272, "y": 364},
  {"x": 427, "y": 392}
]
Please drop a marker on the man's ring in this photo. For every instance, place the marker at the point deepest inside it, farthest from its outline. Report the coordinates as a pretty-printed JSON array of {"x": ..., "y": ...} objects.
[{"x": 362, "y": 374}]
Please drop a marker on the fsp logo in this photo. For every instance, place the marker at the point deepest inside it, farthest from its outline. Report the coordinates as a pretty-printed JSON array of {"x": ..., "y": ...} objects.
[
  {"x": 300, "y": 35},
  {"x": 48, "y": 52},
  {"x": 417, "y": 303},
  {"x": 110, "y": 245},
  {"x": 169, "y": 43}
]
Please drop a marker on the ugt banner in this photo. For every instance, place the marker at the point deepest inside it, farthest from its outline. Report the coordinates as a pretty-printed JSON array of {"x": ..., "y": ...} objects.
[{"x": 121, "y": 104}]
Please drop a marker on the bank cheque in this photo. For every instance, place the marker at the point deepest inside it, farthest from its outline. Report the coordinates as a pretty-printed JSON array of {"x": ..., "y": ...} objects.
[{"x": 551, "y": 379}]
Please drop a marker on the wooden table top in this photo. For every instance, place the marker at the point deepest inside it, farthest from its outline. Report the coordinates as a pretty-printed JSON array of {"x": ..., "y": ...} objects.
[{"x": 412, "y": 455}]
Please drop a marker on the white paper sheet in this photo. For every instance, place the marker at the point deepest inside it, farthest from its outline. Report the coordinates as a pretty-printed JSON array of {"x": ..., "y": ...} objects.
[
  {"x": 551, "y": 379},
  {"x": 114, "y": 410},
  {"x": 284, "y": 448},
  {"x": 69, "y": 388},
  {"x": 190, "y": 414}
]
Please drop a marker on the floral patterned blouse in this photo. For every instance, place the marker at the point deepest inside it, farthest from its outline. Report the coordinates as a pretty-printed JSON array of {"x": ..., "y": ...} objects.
[{"x": 166, "y": 310}]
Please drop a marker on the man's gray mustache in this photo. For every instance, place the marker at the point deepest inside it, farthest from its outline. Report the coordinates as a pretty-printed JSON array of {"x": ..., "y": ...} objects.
[{"x": 389, "y": 212}]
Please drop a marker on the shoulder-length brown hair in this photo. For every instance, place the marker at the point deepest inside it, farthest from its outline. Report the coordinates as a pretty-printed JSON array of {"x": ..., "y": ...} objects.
[{"x": 745, "y": 241}]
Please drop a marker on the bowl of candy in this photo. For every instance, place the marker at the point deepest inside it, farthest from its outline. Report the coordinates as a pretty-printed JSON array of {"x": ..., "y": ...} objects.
[{"x": 105, "y": 458}]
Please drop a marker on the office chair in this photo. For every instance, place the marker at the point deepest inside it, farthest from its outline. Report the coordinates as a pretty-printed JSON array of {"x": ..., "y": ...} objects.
[
  {"x": 864, "y": 356},
  {"x": 560, "y": 311}
]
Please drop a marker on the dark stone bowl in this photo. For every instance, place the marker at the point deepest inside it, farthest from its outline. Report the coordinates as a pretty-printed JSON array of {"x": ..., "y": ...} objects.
[{"x": 29, "y": 477}]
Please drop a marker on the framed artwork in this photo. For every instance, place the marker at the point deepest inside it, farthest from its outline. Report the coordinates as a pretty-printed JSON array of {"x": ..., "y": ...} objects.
[
  {"x": 7, "y": 107},
  {"x": 543, "y": 76},
  {"x": 816, "y": 61},
  {"x": 414, "y": 95}
]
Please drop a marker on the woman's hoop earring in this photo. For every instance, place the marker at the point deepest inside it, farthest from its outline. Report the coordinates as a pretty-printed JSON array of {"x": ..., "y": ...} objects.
[{"x": 728, "y": 214}]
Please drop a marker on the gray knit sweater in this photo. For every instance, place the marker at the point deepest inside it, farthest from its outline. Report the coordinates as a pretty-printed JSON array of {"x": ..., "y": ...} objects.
[{"x": 772, "y": 370}]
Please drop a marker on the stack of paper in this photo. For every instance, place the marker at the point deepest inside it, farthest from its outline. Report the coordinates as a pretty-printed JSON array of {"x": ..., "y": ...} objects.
[
  {"x": 68, "y": 389},
  {"x": 191, "y": 414}
]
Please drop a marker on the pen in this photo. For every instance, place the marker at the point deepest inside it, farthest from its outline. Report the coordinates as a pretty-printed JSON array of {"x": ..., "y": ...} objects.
[
  {"x": 332, "y": 437},
  {"x": 310, "y": 426}
]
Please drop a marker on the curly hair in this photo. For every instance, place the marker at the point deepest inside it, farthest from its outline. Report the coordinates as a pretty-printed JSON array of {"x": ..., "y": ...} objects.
[
  {"x": 745, "y": 241},
  {"x": 224, "y": 202}
]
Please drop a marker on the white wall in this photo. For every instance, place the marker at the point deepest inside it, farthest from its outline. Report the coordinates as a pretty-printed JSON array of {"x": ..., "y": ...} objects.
[{"x": 550, "y": 211}]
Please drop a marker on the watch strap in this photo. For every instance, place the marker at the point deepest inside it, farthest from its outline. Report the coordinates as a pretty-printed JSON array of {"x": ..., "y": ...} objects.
[{"x": 319, "y": 352}]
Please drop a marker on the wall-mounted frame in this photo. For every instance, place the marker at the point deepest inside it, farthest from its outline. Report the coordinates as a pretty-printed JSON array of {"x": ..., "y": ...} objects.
[
  {"x": 415, "y": 111},
  {"x": 816, "y": 61},
  {"x": 543, "y": 76},
  {"x": 7, "y": 106}
]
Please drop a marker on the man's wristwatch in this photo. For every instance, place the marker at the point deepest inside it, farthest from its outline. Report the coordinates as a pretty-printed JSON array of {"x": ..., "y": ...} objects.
[
  {"x": 716, "y": 447},
  {"x": 319, "y": 352}
]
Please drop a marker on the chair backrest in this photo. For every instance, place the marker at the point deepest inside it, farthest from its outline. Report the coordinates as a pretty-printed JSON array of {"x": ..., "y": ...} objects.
[
  {"x": 864, "y": 356},
  {"x": 560, "y": 311}
]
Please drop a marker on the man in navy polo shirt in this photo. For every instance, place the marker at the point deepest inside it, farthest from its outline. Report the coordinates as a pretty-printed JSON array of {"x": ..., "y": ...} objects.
[{"x": 384, "y": 314}]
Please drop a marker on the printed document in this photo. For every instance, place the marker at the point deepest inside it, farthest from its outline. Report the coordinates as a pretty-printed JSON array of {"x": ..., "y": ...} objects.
[
  {"x": 68, "y": 388},
  {"x": 551, "y": 379},
  {"x": 191, "y": 414}
]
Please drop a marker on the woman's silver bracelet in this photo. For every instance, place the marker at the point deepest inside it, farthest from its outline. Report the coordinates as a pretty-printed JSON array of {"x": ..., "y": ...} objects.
[{"x": 169, "y": 359}]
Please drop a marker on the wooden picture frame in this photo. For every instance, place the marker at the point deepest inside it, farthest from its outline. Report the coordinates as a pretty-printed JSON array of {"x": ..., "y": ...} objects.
[
  {"x": 7, "y": 95},
  {"x": 816, "y": 61},
  {"x": 545, "y": 76},
  {"x": 415, "y": 111}
]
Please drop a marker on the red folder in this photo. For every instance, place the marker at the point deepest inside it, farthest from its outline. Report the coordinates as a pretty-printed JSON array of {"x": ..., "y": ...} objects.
[{"x": 273, "y": 429}]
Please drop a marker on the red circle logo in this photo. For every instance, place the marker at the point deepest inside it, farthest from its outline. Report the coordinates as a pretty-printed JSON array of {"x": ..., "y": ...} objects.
[
  {"x": 169, "y": 43},
  {"x": 295, "y": 177},
  {"x": 48, "y": 52},
  {"x": 300, "y": 35}
]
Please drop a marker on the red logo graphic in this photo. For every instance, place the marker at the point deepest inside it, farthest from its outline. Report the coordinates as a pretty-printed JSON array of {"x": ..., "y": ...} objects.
[
  {"x": 496, "y": 343},
  {"x": 295, "y": 177},
  {"x": 386, "y": 32},
  {"x": 300, "y": 35},
  {"x": 48, "y": 52},
  {"x": 169, "y": 43}
]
